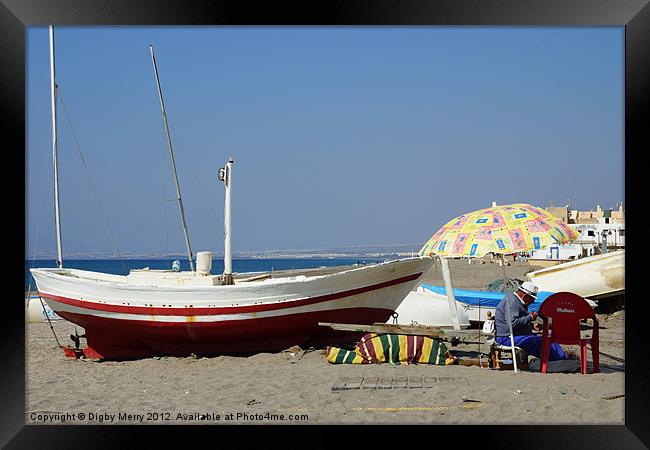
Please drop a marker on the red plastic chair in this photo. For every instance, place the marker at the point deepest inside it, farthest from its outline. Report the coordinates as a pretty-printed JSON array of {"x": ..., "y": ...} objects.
[{"x": 567, "y": 309}]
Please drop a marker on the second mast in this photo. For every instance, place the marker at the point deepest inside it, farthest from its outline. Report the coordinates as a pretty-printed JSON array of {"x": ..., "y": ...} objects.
[{"x": 171, "y": 154}]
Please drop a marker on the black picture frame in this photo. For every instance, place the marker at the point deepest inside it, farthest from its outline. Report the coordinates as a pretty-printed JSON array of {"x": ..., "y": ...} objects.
[{"x": 16, "y": 15}]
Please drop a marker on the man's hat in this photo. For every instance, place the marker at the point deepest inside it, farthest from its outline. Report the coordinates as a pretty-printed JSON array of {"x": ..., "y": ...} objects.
[{"x": 529, "y": 288}]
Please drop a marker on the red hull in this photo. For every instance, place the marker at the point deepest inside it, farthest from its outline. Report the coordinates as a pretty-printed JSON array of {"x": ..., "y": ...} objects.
[{"x": 124, "y": 339}]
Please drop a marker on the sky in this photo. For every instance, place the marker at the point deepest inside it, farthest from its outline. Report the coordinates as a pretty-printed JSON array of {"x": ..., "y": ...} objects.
[{"x": 340, "y": 136}]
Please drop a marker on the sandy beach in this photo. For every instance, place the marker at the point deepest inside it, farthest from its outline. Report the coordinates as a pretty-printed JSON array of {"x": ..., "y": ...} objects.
[{"x": 299, "y": 386}]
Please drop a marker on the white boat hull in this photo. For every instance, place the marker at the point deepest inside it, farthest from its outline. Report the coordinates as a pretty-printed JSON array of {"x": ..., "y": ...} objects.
[
  {"x": 123, "y": 320},
  {"x": 35, "y": 312},
  {"x": 422, "y": 308},
  {"x": 474, "y": 314},
  {"x": 594, "y": 276},
  {"x": 471, "y": 312}
]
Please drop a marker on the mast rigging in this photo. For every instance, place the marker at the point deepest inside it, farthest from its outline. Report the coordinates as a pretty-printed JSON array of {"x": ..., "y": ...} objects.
[{"x": 171, "y": 155}]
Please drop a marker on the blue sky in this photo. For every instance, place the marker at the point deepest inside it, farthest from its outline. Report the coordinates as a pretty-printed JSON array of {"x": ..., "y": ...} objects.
[{"x": 340, "y": 136}]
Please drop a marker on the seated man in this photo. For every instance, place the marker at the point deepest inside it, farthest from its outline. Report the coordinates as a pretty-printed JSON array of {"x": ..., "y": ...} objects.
[{"x": 526, "y": 334}]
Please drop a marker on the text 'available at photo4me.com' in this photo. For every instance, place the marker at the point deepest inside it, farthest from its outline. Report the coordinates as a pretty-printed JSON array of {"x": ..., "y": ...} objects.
[{"x": 135, "y": 418}]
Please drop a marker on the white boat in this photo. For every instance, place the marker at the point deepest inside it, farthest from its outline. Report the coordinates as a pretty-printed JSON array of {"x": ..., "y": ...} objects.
[
  {"x": 179, "y": 313},
  {"x": 160, "y": 312},
  {"x": 36, "y": 312},
  {"x": 423, "y": 308},
  {"x": 596, "y": 277}
]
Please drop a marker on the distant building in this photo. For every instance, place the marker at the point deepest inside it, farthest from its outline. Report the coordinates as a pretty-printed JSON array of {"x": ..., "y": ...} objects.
[
  {"x": 600, "y": 230},
  {"x": 602, "y": 216},
  {"x": 561, "y": 212}
]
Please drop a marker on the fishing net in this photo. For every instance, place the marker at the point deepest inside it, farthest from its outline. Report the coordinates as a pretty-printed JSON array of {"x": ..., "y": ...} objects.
[{"x": 504, "y": 285}]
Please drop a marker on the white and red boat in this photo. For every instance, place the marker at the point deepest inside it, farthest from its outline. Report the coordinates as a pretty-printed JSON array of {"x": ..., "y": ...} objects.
[
  {"x": 167, "y": 312},
  {"x": 148, "y": 313}
]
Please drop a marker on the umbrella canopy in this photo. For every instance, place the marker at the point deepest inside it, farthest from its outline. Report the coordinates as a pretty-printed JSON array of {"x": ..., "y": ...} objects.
[{"x": 501, "y": 229}]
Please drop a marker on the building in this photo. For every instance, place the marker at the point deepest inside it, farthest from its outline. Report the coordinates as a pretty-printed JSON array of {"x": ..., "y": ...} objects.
[
  {"x": 574, "y": 216},
  {"x": 596, "y": 237},
  {"x": 561, "y": 212},
  {"x": 600, "y": 230}
]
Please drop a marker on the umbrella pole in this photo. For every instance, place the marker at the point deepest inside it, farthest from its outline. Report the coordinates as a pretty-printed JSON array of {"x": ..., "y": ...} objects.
[
  {"x": 451, "y": 299},
  {"x": 512, "y": 338},
  {"x": 479, "y": 330}
]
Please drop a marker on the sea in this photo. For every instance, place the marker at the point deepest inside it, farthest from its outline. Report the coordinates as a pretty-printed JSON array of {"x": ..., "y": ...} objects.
[{"x": 242, "y": 265}]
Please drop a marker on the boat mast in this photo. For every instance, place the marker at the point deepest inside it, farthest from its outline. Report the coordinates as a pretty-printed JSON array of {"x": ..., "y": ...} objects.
[
  {"x": 225, "y": 175},
  {"x": 57, "y": 212},
  {"x": 171, "y": 155}
]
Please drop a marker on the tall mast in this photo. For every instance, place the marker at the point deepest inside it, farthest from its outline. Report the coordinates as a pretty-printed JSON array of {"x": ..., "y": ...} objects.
[
  {"x": 57, "y": 212},
  {"x": 171, "y": 155}
]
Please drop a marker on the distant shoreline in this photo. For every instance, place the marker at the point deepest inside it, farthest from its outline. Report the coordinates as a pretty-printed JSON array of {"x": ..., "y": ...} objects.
[
  {"x": 333, "y": 252},
  {"x": 279, "y": 256}
]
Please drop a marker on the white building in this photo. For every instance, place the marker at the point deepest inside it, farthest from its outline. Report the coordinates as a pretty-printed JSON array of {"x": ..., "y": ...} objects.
[
  {"x": 600, "y": 230},
  {"x": 558, "y": 252},
  {"x": 594, "y": 235}
]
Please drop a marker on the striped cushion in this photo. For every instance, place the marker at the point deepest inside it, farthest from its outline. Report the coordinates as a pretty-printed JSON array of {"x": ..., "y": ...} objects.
[{"x": 394, "y": 349}]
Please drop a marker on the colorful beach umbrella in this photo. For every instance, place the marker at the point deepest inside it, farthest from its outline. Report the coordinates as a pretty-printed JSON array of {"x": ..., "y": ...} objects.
[{"x": 501, "y": 229}]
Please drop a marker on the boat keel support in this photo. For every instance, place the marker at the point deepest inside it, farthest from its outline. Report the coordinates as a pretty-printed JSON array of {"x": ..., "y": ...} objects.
[{"x": 86, "y": 353}]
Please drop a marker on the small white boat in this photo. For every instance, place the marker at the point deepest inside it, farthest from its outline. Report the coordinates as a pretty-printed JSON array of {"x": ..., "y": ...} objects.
[
  {"x": 423, "y": 308},
  {"x": 36, "y": 312},
  {"x": 596, "y": 277}
]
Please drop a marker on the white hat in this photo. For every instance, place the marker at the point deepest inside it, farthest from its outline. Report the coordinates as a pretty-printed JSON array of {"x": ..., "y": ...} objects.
[{"x": 529, "y": 288}]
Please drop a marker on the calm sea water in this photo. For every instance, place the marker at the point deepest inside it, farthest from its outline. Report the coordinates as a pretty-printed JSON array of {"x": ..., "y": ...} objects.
[{"x": 121, "y": 267}]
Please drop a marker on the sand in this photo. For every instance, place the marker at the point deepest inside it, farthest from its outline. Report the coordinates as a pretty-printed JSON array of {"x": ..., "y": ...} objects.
[{"x": 296, "y": 387}]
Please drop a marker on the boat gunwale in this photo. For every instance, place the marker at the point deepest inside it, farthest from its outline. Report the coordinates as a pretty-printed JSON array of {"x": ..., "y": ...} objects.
[
  {"x": 54, "y": 273},
  {"x": 576, "y": 263},
  {"x": 227, "y": 309}
]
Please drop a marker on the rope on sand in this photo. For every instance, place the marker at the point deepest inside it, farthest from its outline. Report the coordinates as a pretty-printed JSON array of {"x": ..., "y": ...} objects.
[
  {"x": 609, "y": 356},
  {"x": 47, "y": 316}
]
